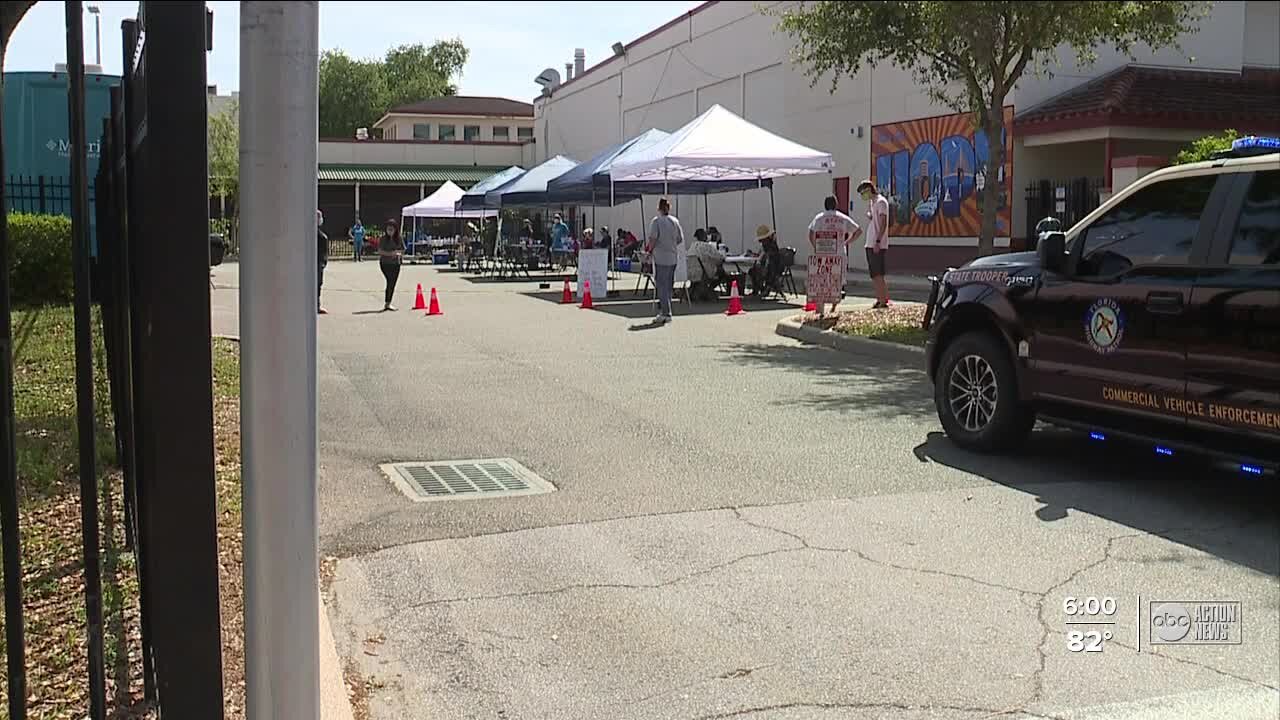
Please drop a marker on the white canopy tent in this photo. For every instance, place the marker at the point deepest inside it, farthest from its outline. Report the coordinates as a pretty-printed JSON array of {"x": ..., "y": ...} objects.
[
  {"x": 440, "y": 204},
  {"x": 719, "y": 145}
]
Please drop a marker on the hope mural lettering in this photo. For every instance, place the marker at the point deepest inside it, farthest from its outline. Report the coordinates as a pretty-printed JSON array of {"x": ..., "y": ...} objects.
[{"x": 934, "y": 171}]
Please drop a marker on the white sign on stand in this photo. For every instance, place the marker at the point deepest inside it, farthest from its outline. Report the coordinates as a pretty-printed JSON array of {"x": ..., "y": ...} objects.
[
  {"x": 593, "y": 267},
  {"x": 824, "y": 279}
]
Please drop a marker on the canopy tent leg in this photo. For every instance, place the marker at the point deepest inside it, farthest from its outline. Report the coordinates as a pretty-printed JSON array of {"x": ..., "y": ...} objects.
[
  {"x": 773, "y": 213},
  {"x": 706, "y": 211}
]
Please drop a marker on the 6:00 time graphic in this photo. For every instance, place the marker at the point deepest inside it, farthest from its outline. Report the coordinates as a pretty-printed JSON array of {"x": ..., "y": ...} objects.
[
  {"x": 1091, "y": 611},
  {"x": 1075, "y": 607}
]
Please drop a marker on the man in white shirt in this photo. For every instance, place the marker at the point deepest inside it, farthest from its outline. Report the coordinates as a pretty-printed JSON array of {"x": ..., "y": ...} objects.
[
  {"x": 877, "y": 246},
  {"x": 830, "y": 234}
]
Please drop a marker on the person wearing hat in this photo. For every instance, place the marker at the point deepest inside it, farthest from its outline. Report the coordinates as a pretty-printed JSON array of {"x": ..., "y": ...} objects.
[
  {"x": 877, "y": 245},
  {"x": 768, "y": 268},
  {"x": 559, "y": 234},
  {"x": 606, "y": 240},
  {"x": 665, "y": 243}
]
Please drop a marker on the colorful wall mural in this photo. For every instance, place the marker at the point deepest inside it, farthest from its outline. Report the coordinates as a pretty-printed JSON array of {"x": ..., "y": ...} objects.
[{"x": 933, "y": 171}]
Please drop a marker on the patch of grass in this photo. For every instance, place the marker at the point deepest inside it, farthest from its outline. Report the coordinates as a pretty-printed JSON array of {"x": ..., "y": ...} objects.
[
  {"x": 226, "y": 434},
  {"x": 898, "y": 324},
  {"x": 52, "y": 551}
]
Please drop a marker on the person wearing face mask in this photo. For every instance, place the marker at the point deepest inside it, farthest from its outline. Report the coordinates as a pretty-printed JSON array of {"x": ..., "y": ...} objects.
[
  {"x": 877, "y": 246},
  {"x": 390, "y": 251},
  {"x": 322, "y": 259}
]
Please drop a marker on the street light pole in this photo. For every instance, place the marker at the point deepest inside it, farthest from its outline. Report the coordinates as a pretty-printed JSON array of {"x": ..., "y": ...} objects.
[
  {"x": 279, "y": 116},
  {"x": 96, "y": 12}
]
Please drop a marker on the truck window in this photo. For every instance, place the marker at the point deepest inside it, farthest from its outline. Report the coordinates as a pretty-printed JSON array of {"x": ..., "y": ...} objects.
[
  {"x": 1155, "y": 226},
  {"x": 1257, "y": 237}
]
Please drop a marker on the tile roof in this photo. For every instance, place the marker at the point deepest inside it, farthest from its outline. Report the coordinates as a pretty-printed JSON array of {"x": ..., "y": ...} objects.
[
  {"x": 467, "y": 105},
  {"x": 1163, "y": 97},
  {"x": 404, "y": 174}
]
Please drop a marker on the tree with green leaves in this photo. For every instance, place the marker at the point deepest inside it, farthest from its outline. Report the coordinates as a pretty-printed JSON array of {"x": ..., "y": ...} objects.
[
  {"x": 1206, "y": 147},
  {"x": 969, "y": 56},
  {"x": 224, "y": 153},
  {"x": 355, "y": 93}
]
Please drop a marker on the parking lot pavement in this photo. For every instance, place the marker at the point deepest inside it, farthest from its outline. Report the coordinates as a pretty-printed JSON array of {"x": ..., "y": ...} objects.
[{"x": 746, "y": 527}]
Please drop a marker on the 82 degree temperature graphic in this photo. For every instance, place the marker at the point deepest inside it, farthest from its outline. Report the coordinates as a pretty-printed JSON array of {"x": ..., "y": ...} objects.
[{"x": 1088, "y": 641}]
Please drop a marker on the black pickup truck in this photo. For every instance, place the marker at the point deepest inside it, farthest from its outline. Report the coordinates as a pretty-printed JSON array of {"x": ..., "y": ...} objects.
[{"x": 1156, "y": 319}]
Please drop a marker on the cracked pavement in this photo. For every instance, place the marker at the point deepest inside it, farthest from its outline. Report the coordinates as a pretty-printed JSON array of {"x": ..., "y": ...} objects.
[{"x": 746, "y": 528}]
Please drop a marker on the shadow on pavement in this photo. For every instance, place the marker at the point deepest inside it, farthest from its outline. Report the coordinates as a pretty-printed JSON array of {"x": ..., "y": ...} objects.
[
  {"x": 1183, "y": 500},
  {"x": 639, "y": 307},
  {"x": 843, "y": 382}
]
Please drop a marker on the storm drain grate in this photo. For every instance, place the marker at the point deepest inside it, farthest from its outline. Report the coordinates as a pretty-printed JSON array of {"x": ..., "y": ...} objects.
[{"x": 462, "y": 479}]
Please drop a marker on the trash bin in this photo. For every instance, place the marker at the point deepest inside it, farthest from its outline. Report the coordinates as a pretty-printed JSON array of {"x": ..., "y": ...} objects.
[{"x": 217, "y": 249}]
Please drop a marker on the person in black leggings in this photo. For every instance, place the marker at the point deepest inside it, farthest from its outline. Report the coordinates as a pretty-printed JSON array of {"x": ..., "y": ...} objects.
[{"x": 390, "y": 250}]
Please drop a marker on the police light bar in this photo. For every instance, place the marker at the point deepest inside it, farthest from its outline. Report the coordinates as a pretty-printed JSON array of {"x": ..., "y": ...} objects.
[{"x": 1252, "y": 142}]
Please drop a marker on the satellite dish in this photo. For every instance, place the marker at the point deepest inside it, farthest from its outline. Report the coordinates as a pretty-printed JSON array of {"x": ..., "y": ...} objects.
[{"x": 548, "y": 79}]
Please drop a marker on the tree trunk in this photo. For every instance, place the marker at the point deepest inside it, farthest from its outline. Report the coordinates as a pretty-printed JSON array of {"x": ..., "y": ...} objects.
[{"x": 993, "y": 127}]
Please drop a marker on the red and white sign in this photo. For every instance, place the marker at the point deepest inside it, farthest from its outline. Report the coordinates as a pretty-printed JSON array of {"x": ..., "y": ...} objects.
[{"x": 824, "y": 280}]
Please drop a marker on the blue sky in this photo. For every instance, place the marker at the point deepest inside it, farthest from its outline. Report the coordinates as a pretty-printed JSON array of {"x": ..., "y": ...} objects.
[{"x": 510, "y": 42}]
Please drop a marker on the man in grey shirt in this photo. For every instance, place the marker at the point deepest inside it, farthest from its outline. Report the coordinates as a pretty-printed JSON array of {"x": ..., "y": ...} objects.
[{"x": 665, "y": 243}]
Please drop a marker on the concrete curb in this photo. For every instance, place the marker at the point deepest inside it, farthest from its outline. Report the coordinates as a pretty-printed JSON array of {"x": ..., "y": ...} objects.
[
  {"x": 334, "y": 703},
  {"x": 896, "y": 352}
]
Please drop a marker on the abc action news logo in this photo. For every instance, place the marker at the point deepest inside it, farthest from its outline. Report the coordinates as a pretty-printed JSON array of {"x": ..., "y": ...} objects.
[{"x": 1195, "y": 623}]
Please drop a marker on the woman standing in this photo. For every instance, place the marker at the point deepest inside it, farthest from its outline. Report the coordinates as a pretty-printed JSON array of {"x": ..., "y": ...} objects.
[{"x": 390, "y": 251}]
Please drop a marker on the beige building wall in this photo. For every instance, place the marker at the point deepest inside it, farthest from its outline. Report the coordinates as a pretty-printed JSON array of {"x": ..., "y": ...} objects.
[
  {"x": 730, "y": 54},
  {"x": 389, "y": 152},
  {"x": 397, "y": 126}
]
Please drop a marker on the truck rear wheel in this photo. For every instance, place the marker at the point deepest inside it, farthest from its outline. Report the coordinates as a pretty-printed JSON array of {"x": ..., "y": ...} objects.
[{"x": 976, "y": 395}]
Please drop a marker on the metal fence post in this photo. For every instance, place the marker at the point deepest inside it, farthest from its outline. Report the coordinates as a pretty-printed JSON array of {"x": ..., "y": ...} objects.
[
  {"x": 15, "y": 644},
  {"x": 169, "y": 221},
  {"x": 84, "y": 361}
]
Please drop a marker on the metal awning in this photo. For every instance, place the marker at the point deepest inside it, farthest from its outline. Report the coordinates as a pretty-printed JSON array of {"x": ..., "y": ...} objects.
[{"x": 404, "y": 174}]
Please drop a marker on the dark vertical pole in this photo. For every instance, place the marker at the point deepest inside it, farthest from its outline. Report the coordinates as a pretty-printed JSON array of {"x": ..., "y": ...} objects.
[
  {"x": 773, "y": 213},
  {"x": 171, "y": 263},
  {"x": 15, "y": 644},
  {"x": 130, "y": 210},
  {"x": 706, "y": 211},
  {"x": 84, "y": 360}
]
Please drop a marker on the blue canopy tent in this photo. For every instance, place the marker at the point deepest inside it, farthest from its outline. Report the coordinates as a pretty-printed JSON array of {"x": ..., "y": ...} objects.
[
  {"x": 474, "y": 198},
  {"x": 530, "y": 188}
]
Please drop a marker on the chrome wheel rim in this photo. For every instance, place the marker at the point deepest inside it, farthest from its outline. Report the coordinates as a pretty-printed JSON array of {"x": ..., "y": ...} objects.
[{"x": 972, "y": 392}]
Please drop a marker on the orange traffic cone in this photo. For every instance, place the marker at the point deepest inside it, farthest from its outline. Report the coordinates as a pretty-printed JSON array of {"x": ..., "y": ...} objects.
[
  {"x": 566, "y": 297},
  {"x": 419, "y": 303},
  {"x": 810, "y": 306},
  {"x": 435, "y": 304},
  {"x": 586, "y": 296},
  {"x": 735, "y": 301}
]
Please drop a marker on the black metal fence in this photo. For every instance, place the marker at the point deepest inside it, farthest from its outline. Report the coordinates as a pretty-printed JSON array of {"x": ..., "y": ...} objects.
[
  {"x": 152, "y": 280},
  {"x": 1067, "y": 200},
  {"x": 43, "y": 194}
]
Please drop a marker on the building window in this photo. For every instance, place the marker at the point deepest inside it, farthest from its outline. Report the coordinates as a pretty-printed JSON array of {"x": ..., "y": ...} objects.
[
  {"x": 501, "y": 132},
  {"x": 447, "y": 132},
  {"x": 421, "y": 131},
  {"x": 390, "y": 132},
  {"x": 470, "y": 132},
  {"x": 524, "y": 133}
]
